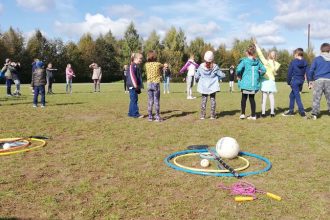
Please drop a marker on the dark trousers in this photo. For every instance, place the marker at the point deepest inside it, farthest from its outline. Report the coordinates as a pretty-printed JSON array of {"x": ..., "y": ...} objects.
[
  {"x": 295, "y": 96},
  {"x": 252, "y": 103},
  {"x": 8, "y": 84},
  {"x": 133, "y": 110},
  {"x": 37, "y": 90}
]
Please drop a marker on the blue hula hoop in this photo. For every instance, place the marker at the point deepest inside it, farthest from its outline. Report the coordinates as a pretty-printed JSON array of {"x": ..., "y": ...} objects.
[{"x": 171, "y": 156}]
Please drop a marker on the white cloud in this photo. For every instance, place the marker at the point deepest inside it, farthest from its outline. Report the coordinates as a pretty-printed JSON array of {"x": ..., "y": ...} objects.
[
  {"x": 264, "y": 29},
  {"x": 271, "y": 40},
  {"x": 124, "y": 11},
  {"x": 36, "y": 5},
  {"x": 297, "y": 14},
  {"x": 94, "y": 24}
]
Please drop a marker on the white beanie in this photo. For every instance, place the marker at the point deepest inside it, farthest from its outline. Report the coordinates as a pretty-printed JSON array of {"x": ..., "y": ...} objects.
[{"x": 208, "y": 57}]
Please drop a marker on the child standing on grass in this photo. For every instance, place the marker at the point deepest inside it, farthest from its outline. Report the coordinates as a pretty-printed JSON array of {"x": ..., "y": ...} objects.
[
  {"x": 153, "y": 71},
  {"x": 319, "y": 78},
  {"x": 69, "y": 75},
  {"x": 166, "y": 78},
  {"x": 268, "y": 86},
  {"x": 191, "y": 66},
  {"x": 134, "y": 84},
  {"x": 231, "y": 78},
  {"x": 296, "y": 78},
  {"x": 125, "y": 72},
  {"x": 50, "y": 77},
  {"x": 208, "y": 75},
  {"x": 249, "y": 70},
  {"x": 38, "y": 83},
  {"x": 96, "y": 77}
]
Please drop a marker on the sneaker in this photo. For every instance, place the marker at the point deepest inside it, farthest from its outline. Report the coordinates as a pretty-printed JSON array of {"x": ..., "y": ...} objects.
[
  {"x": 263, "y": 115},
  {"x": 242, "y": 116},
  {"x": 252, "y": 118},
  {"x": 272, "y": 115},
  {"x": 288, "y": 113},
  {"x": 9, "y": 95},
  {"x": 168, "y": 92},
  {"x": 313, "y": 117},
  {"x": 189, "y": 97},
  {"x": 202, "y": 118},
  {"x": 158, "y": 119},
  {"x": 34, "y": 106},
  {"x": 140, "y": 116},
  {"x": 193, "y": 97},
  {"x": 150, "y": 118},
  {"x": 212, "y": 118},
  {"x": 42, "y": 106},
  {"x": 164, "y": 92},
  {"x": 302, "y": 114}
]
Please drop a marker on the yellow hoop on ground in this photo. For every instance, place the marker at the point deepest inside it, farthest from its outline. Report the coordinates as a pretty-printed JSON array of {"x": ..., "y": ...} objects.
[
  {"x": 247, "y": 164},
  {"x": 42, "y": 143}
]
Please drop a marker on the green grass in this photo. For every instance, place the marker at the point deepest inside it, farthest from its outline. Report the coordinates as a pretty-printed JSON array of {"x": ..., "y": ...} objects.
[{"x": 101, "y": 164}]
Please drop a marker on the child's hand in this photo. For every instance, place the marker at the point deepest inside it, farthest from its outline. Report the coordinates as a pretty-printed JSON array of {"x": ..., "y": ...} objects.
[
  {"x": 310, "y": 85},
  {"x": 184, "y": 79}
]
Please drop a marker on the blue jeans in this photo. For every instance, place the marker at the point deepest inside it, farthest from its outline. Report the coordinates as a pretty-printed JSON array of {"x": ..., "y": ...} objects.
[
  {"x": 68, "y": 87},
  {"x": 295, "y": 95},
  {"x": 167, "y": 84},
  {"x": 133, "y": 110},
  {"x": 38, "y": 89},
  {"x": 8, "y": 84}
]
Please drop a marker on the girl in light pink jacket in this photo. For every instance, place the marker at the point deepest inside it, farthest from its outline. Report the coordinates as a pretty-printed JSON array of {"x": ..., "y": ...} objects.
[{"x": 69, "y": 75}]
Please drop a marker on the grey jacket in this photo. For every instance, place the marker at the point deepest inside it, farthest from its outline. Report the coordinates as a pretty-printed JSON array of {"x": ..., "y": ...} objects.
[{"x": 39, "y": 78}]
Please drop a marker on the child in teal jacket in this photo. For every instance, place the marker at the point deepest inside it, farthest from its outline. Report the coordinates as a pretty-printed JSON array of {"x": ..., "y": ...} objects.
[{"x": 249, "y": 71}]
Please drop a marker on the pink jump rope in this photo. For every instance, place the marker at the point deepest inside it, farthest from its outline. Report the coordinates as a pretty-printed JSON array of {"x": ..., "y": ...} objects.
[{"x": 247, "y": 191}]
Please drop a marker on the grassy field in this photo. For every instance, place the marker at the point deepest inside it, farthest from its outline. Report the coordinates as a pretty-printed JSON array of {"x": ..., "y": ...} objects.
[{"x": 100, "y": 164}]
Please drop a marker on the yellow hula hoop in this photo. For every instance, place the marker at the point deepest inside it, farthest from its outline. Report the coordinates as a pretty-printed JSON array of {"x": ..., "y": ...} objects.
[
  {"x": 42, "y": 143},
  {"x": 247, "y": 164}
]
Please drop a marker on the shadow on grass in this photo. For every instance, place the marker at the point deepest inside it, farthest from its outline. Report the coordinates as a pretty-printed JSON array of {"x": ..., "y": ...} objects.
[
  {"x": 176, "y": 115},
  {"x": 70, "y": 103},
  {"x": 281, "y": 110},
  {"x": 228, "y": 113}
]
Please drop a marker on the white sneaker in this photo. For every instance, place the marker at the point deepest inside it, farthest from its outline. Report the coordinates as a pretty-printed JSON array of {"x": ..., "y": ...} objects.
[
  {"x": 164, "y": 92},
  {"x": 252, "y": 118},
  {"x": 42, "y": 106},
  {"x": 193, "y": 97},
  {"x": 168, "y": 92},
  {"x": 34, "y": 106},
  {"x": 242, "y": 116},
  {"x": 189, "y": 97}
]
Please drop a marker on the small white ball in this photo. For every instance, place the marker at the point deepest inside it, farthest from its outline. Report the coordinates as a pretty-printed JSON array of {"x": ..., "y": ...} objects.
[
  {"x": 205, "y": 163},
  {"x": 227, "y": 147},
  {"x": 6, "y": 146}
]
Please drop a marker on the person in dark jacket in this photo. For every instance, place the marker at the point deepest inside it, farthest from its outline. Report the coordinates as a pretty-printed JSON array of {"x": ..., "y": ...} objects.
[
  {"x": 50, "y": 77},
  {"x": 134, "y": 84},
  {"x": 231, "y": 78},
  {"x": 38, "y": 83},
  {"x": 125, "y": 72},
  {"x": 319, "y": 78},
  {"x": 296, "y": 78},
  {"x": 166, "y": 77},
  {"x": 7, "y": 70}
]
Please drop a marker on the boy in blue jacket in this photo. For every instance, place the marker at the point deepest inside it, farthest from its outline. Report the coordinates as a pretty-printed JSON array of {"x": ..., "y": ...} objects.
[
  {"x": 319, "y": 78},
  {"x": 296, "y": 78}
]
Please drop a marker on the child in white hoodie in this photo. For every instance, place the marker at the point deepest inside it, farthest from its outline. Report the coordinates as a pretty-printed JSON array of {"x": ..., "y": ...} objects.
[{"x": 191, "y": 66}]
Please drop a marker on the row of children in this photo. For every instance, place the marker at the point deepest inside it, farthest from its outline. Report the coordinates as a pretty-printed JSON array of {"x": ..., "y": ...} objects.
[{"x": 253, "y": 74}]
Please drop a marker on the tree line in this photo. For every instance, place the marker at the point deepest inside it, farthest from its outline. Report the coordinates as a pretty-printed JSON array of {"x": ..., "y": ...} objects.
[{"x": 112, "y": 53}]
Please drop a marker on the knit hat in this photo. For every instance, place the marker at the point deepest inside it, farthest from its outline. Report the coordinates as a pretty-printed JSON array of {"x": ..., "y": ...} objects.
[
  {"x": 209, "y": 57},
  {"x": 39, "y": 64}
]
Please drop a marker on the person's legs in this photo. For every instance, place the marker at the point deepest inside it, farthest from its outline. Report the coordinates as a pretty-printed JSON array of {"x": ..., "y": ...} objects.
[
  {"x": 253, "y": 105},
  {"x": 18, "y": 86},
  {"x": 125, "y": 86},
  {"x": 8, "y": 85},
  {"x": 35, "y": 95},
  {"x": 263, "y": 103},
  {"x": 243, "y": 103},
  {"x": 272, "y": 103},
  {"x": 70, "y": 85},
  {"x": 168, "y": 84},
  {"x": 317, "y": 95},
  {"x": 292, "y": 100},
  {"x": 133, "y": 105},
  {"x": 213, "y": 105},
  {"x": 157, "y": 99},
  {"x": 42, "y": 92},
  {"x": 98, "y": 83},
  {"x": 67, "y": 85},
  {"x": 189, "y": 91},
  {"x": 203, "y": 105},
  {"x": 150, "y": 99},
  {"x": 296, "y": 86},
  {"x": 327, "y": 92}
]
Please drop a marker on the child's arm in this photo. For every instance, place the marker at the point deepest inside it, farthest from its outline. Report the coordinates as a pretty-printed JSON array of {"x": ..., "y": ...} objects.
[
  {"x": 197, "y": 74},
  {"x": 240, "y": 69},
  {"x": 262, "y": 69},
  {"x": 185, "y": 67},
  {"x": 311, "y": 72},
  {"x": 260, "y": 54}
]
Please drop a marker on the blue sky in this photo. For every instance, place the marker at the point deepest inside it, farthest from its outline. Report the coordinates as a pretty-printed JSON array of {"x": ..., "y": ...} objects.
[{"x": 280, "y": 23}]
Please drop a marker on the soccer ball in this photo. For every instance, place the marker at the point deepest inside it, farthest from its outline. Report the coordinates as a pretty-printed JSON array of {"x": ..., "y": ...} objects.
[
  {"x": 205, "y": 163},
  {"x": 227, "y": 147},
  {"x": 6, "y": 146}
]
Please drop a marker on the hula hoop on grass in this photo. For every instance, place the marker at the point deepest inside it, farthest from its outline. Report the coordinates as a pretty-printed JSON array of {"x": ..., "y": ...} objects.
[
  {"x": 247, "y": 164},
  {"x": 168, "y": 159},
  {"x": 26, "y": 143},
  {"x": 42, "y": 143}
]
